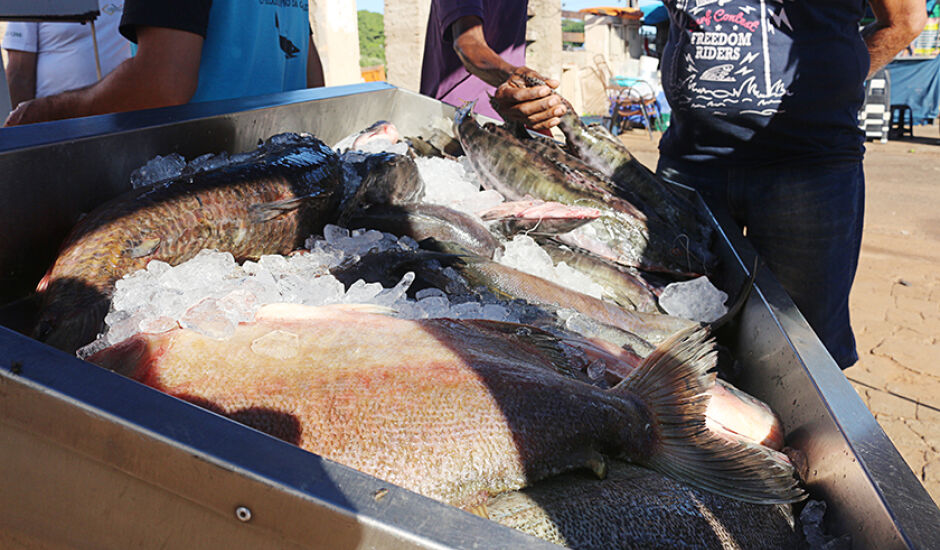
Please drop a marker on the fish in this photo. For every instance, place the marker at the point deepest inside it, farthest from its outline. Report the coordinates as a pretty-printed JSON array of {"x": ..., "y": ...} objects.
[
  {"x": 389, "y": 179},
  {"x": 638, "y": 508},
  {"x": 456, "y": 410},
  {"x": 601, "y": 150},
  {"x": 505, "y": 164},
  {"x": 509, "y": 283},
  {"x": 421, "y": 221},
  {"x": 605, "y": 153},
  {"x": 266, "y": 203},
  {"x": 375, "y": 139},
  {"x": 622, "y": 285},
  {"x": 537, "y": 217}
]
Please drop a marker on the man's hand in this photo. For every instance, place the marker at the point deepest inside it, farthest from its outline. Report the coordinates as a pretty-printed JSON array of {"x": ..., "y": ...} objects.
[
  {"x": 515, "y": 99},
  {"x": 535, "y": 106},
  {"x": 21, "y": 113}
]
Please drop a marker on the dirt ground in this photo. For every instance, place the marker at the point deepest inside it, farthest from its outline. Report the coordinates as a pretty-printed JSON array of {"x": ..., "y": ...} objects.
[{"x": 895, "y": 301}]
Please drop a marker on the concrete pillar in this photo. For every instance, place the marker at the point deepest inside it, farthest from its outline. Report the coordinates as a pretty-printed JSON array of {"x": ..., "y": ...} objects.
[
  {"x": 336, "y": 35},
  {"x": 543, "y": 34},
  {"x": 634, "y": 42},
  {"x": 406, "y": 22}
]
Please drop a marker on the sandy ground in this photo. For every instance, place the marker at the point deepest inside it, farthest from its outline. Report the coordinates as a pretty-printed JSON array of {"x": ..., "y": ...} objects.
[{"x": 895, "y": 301}]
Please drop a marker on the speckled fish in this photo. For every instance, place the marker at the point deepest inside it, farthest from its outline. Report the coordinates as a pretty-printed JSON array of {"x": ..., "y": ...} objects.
[
  {"x": 267, "y": 203},
  {"x": 511, "y": 283},
  {"x": 457, "y": 410},
  {"x": 622, "y": 285},
  {"x": 638, "y": 509},
  {"x": 421, "y": 221},
  {"x": 631, "y": 237},
  {"x": 538, "y": 217}
]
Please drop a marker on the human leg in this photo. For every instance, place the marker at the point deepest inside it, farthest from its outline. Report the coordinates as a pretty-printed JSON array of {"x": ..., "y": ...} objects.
[{"x": 806, "y": 224}]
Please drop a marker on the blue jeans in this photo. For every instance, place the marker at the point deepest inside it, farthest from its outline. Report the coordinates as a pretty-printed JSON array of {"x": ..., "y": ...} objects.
[{"x": 805, "y": 222}]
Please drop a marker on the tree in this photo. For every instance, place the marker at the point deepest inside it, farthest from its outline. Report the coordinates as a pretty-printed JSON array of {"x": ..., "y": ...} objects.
[{"x": 371, "y": 38}]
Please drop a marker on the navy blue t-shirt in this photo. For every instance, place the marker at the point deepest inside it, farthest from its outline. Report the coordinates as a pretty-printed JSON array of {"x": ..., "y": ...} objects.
[{"x": 755, "y": 82}]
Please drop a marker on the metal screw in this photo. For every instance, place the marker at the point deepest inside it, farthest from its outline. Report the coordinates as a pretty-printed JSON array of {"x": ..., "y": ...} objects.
[{"x": 243, "y": 513}]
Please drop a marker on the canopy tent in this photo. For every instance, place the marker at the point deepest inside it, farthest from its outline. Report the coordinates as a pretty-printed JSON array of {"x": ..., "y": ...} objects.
[
  {"x": 654, "y": 13},
  {"x": 916, "y": 83}
]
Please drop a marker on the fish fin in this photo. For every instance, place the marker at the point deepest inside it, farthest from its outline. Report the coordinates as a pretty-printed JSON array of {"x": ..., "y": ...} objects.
[
  {"x": 739, "y": 301},
  {"x": 550, "y": 346},
  {"x": 480, "y": 510},
  {"x": 672, "y": 381},
  {"x": 268, "y": 211},
  {"x": 145, "y": 247}
]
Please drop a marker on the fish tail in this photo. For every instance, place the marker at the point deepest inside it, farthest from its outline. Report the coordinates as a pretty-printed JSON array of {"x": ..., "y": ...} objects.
[{"x": 672, "y": 381}]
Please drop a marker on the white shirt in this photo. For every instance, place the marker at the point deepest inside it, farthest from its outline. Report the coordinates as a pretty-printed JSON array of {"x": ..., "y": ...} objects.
[{"x": 66, "y": 54}]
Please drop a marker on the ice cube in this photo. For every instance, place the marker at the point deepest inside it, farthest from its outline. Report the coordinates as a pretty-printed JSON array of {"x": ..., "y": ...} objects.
[
  {"x": 391, "y": 296},
  {"x": 362, "y": 292},
  {"x": 208, "y": 318},
  {"x": 696, "y": 299}
]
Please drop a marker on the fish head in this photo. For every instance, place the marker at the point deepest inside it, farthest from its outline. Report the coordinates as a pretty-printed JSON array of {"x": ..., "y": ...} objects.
[
  {"x": 464, "y": 111},
  {"x": 72, "y": 314}
]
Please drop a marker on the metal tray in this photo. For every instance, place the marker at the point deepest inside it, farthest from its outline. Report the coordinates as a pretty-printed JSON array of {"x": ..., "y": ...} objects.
[{"x": 95, "y": 460}]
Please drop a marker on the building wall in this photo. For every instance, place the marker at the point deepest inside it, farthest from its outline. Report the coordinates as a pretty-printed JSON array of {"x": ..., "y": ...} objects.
[
  {"x": 336, "y": 35},
  {"x": 406, "y": 23},
  {"x": 543, "y": 34}
]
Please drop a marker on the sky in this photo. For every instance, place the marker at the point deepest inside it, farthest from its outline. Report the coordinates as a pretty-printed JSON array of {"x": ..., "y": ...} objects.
[{"x": 573, "y": 5}]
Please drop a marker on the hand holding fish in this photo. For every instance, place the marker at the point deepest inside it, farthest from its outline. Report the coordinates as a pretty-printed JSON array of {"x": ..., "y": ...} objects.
[
  {"x": 535, "y": 106},
  {"x": 517, "y": 97}
]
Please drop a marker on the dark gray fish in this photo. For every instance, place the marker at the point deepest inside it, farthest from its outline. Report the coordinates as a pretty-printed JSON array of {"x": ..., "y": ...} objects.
[
  {"x": 267, "y": 202},
  {"x": 637, "y": 508},
  {"x": 388, "y": 179},
  {"x": 421, "y": 221}
]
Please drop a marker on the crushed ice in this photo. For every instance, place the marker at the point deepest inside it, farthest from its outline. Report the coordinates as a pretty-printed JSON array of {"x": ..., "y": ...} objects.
[{"x": 212, "y": 294}]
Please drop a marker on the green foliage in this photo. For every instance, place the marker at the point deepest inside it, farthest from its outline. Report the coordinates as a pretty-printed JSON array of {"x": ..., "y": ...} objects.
[
  {"x": 572, "y": 25},
  {"x": 371, "y": 38}
]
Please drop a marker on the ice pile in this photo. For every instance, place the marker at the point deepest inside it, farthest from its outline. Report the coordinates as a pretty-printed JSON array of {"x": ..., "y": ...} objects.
[
  {"x": 696, "y": 299},
  {"x": 524, "y": 254},
  {"x": 211, "y": 293},
  {"x": 454, "y": 185}
]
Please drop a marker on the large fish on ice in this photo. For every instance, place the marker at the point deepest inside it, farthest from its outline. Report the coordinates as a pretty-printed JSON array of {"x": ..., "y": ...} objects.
[
  {"x": 636, "y": 508},
  {"x": 457, "y": 410},
  {"x": 268, "y": 202}
]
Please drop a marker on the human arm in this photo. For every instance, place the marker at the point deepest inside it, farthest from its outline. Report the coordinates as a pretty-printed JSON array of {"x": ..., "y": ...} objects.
[
  {"x": 21, "y": 75},
  {"x": 535, "y": 106},
  {"x": 164, "y": 72},
  {"x": 897, "y": 23},
  {"x": 314, "y": 66}
]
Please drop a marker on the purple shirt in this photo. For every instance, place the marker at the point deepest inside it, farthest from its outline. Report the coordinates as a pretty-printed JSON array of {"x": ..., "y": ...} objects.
[{"x": 443, "y": 75}]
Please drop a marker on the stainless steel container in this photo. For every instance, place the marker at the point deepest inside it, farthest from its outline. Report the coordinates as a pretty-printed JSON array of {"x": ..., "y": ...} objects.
[{"x": 95, "y": 460}]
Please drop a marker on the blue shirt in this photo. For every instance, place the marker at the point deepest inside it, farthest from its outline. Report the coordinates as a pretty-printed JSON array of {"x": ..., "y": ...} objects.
[
  {"x": 755, "y": 82},
  {"x": 251, "y": 47}
]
